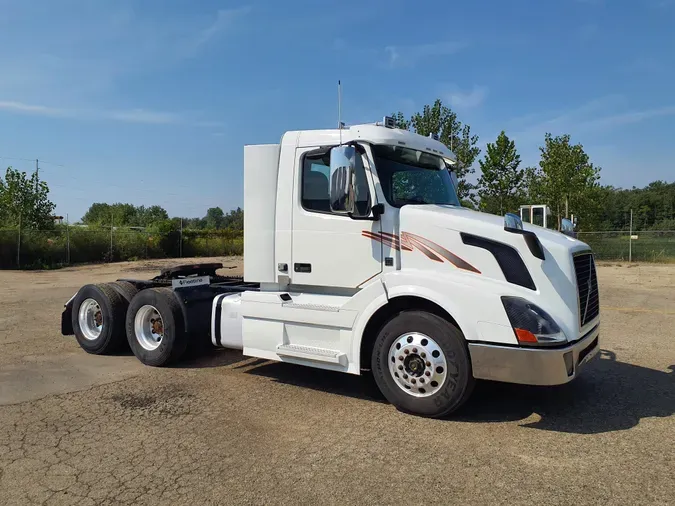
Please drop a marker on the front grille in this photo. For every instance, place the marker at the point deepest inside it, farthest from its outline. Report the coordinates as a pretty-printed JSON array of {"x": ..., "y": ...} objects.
[{"x": 587, "y": 286}]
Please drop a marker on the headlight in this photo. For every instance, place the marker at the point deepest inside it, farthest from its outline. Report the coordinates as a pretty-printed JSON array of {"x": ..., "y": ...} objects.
[{"x": 531, "y": 323}]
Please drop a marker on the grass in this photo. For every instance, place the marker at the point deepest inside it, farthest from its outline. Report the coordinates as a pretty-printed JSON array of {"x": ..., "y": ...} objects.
[
  {"x": 649, "y": 247},
  {"x": 48, "y": 249}
]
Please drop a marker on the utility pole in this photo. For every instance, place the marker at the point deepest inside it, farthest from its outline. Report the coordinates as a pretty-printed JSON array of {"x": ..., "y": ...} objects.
[
  {"x": 37, "y": 173},
  {"x": 180, "y": 244},
  {"x": 630, "y": 239},
  {"x": 67, "y": 240},
  {"x": 18, "y": 246},
  {"x": 111, "y": 237}
]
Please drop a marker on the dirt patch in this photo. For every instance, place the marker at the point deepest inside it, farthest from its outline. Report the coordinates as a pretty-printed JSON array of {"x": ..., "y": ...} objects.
[{"x": 227, "y": 429}]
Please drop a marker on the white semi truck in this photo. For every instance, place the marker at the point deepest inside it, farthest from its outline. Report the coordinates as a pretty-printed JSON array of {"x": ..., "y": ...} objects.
[{"x": 358, "y": 256}]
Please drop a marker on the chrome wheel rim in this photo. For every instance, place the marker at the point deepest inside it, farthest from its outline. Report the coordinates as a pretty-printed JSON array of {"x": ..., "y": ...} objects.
[
  {"x": 90, "y": 318},
  {"x": 149, "y": 327},
  {"x": 417, "y": 364}
]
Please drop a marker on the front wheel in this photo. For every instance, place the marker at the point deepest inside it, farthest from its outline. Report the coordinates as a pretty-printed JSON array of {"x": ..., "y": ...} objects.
[
  {"x": 421, "y": 364},
  {"x": 155, "y": 327}
]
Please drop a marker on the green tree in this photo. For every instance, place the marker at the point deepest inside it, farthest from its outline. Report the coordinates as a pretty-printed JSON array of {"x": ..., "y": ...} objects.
[
  {"x": 214, "y": 218},
  {"x": 124, "y": 215},
  {"x": 97, "y": 214},
  {"x": 440, "y": 120},
  {"x": 501, "y": 184},
  {"x": 25, "y": 201},
  {"x": 146, "y": 216},
  {"x": 234, "y": 219},
  {"x": 566, "y": 180}
]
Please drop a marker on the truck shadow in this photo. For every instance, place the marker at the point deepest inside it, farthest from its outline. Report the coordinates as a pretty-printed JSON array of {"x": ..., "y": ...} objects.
[
  {"x": 348, "y": 385},
  {"x": 609, "y": 396}
]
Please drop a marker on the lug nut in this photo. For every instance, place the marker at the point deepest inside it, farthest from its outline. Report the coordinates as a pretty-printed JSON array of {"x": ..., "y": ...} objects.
[
  {"x": 400, "y": 367},
  {"x": 414, "y": 350},
  {"x": 406, "y": 351},
  {"x": 423, "y": 355},
  {"x": 400, "y": 357},
  {"x": 427, "y": 373},
  {"x": 413, "y": 380},
  {"x": 405, "y": 376},
  {"x": 421, "y": 380},
  {"x": 428, "y": 364}
]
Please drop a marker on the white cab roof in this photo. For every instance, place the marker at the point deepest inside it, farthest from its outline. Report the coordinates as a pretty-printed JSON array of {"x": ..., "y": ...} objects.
[{"x": 372, "y": 134}]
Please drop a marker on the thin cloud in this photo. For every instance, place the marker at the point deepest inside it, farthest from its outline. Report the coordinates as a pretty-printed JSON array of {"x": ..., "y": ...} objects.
[
  {"x": 467, "y": 100},
  {"x": 409, "y": 56},
  {"x": 628, "y": 118},
  {"x": 534, "y": 125},
  {"x": 594, "y": 116},
  {"x": 224, "y": 20},
  {"x": 144, "y": 116},
  {"x": 40, "y": 110}
]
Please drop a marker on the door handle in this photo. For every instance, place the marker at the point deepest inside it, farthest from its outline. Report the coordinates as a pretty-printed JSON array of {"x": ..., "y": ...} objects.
[{"x": 302, "y": 267}]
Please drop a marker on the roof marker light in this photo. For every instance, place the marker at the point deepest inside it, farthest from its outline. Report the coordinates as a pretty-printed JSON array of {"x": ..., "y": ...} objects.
[{"x": 389, "y": 122}]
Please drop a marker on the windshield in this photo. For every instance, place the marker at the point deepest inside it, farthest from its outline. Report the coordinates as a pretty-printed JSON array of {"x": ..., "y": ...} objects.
[{"x": 409, "y": 176}]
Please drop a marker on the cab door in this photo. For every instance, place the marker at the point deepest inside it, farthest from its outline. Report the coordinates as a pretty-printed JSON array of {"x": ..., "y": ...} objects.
[{"x": 331, "y": 250}]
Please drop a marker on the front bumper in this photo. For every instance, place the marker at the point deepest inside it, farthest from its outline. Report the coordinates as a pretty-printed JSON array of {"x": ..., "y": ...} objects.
[{"x": 533, "y": 366}]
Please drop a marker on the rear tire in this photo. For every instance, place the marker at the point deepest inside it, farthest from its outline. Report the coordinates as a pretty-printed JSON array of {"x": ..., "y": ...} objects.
[
  {"x": 97, "y": 317},
  {"x": 126, "y": 289},
  {"x": 155, "y": 328},
  {"x": 421, "y": 364}
]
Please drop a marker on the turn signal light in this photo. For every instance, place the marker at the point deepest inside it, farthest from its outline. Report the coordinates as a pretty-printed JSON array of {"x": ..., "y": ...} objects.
[{"x": 525, "y": 336}]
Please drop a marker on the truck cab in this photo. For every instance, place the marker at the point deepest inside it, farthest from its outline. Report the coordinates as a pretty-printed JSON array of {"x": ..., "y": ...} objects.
[
  {"x": 342, "y": 247},
  {"x": 359, "y": 257}
]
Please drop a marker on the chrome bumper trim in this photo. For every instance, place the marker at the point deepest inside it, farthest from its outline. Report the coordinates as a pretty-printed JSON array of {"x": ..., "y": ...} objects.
[{"x": 533, "y": 366}]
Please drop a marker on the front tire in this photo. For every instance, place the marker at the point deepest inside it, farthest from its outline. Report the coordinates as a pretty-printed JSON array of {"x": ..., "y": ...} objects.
[
  {"x": 155, "y": 328},
  {"x": 98, "y": 319},
  {"x": 421, "y": 364}
]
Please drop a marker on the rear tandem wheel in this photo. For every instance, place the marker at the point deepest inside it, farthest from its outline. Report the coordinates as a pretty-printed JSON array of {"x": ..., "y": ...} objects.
[
  {"x": 97, "y": 318},
  {"x": 155, "y": 328}
]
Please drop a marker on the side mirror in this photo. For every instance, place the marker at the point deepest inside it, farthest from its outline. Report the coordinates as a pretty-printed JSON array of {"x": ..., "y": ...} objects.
[
  {"x": 567, "y": 227},
  {"x": 342, "y": 179},
  {"x": 512, "y": 222}
]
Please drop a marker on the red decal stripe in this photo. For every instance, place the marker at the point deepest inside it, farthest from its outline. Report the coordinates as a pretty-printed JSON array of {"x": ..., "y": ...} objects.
[{"x": 409, "y": 242}]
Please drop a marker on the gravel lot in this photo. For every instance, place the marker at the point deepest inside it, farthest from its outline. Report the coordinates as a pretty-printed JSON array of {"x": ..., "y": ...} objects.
[{"x": 226, "y": 429}]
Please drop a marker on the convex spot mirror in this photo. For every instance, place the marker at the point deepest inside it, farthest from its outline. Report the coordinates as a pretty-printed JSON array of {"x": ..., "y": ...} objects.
[{"x": 342, "y": 179}]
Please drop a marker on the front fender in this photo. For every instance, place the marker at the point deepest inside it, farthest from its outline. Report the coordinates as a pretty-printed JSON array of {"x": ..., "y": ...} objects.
[{"x": 476, "y": 306}]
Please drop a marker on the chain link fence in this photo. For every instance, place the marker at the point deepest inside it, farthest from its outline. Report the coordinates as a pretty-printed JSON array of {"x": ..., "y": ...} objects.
[
  {"x": 44, "y": 249},
  {"x": 638, "y": 246}
]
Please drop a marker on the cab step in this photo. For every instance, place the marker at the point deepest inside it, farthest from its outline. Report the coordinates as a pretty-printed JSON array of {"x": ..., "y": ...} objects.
[{"x": 311, "y": 353}]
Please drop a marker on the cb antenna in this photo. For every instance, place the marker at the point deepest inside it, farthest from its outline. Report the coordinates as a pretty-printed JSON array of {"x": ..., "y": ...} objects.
[{"x": 340, "y": 109}]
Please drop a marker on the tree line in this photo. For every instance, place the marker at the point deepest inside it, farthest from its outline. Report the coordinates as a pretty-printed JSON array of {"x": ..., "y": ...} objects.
[
  {"x": 565, "y": 179},
  {"x": 156, "y": 217}
]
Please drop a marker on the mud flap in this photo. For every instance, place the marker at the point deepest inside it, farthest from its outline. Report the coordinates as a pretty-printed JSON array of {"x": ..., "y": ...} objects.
[{"x": 66, "y": 318}]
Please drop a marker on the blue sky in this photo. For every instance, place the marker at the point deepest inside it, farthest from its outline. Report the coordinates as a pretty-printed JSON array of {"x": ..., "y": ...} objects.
[{"x": 151, "y": 101}]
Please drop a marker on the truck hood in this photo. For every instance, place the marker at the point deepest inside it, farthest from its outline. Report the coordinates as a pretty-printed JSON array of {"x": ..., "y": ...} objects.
[
  {"x": 433, "y": 241},
  {"x": 487, "y": 225}
]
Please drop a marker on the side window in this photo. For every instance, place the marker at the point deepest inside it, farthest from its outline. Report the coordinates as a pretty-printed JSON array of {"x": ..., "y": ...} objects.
[
  {"x": 315, "y": 173},
  {"x": 538, "y": 216},
  {"x": 315, "y": 186}
]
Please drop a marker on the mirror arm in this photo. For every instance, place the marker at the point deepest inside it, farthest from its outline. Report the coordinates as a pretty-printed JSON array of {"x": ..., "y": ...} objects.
[{"x": 377, "y": 211}]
